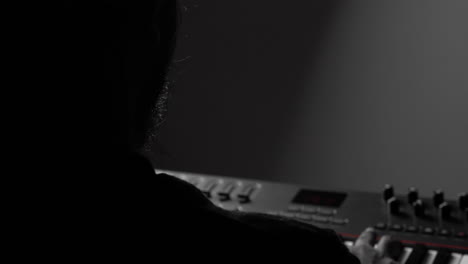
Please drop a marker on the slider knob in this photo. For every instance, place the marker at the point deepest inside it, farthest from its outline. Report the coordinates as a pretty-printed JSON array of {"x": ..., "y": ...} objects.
[
  {"x": 438, "y": 198},
  {"x": 388, "y": 192},
  {"x": 393, "y": 206},
  {"x": 412, "y": 195},
  {"x": 445, "y": 210},
  {"x": 418, "y": 208}
]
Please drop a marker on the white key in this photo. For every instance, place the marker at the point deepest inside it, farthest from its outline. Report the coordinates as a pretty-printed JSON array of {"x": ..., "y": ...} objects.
[
  {"x": 456, "y": 258},
  {"x": 464, "y": 259},
  {"x": 405, "y": 255},
  {"x": 349, "y": 244},
  {"x": 430, "y": 257}
]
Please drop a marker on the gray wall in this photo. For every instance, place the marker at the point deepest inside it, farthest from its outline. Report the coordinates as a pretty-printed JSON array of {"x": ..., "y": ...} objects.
[{"x": 334, "y": 94}]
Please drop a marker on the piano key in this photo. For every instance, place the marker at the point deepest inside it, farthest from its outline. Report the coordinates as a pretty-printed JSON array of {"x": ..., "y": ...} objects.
[
  {"x": 443, "y": 257},
  {"x": 417, "y": 255},
  {"x": 395, "y": 249},
  {"x": 464, "y": 259},
  {"x": 430, "y": 257},
  {"x": 456, "y": 258},
  {"x": 349, "y": 244},
  {"x": 405, "y": 255}
]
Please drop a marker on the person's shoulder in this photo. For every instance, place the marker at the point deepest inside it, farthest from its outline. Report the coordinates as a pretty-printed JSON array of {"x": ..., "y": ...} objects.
[{"x": 275, "y": 237}]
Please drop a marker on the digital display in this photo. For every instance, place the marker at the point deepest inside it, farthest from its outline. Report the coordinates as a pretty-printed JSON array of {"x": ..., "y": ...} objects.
[{"x": 311, "y": 197}]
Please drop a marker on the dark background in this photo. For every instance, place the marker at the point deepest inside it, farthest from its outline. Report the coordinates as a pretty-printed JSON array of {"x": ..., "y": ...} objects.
[{"x": 332, "y": 94}]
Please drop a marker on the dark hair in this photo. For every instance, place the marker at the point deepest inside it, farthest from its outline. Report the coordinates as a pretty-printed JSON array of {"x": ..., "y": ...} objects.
[{"x": 115, "y": 57}]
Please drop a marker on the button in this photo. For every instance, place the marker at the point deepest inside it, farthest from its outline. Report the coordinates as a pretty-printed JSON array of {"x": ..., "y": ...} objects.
[
  {"x": 328, "y": 212},
  {"x": 294, "y": 208},
  {"x": 224, "y": 193},
  {"x": 460, "y": 234},
  {"x": 412, "y": 229},
  {"x": 245, "y": 195},
  {"x": 319, "y": 219},
  {"x": 381, "y": 226},
  {"x": 339, "y": 221},
  {"x": 309, "y": 210},
  {"x": 396, "y": 227},
  {"x": 444, "y": 232},
  {"x": 428, "y": 231},
  {"x": 303, "y": 217},
  {"x": 207, "y": 187}
]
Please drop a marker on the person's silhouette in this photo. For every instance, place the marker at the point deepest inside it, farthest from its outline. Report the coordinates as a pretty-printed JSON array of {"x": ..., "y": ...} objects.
[{"x": 105, "y": 99}]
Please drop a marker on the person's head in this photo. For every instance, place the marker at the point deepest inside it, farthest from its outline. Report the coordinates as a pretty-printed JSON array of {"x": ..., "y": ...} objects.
[{"x": 114, "y": 56}]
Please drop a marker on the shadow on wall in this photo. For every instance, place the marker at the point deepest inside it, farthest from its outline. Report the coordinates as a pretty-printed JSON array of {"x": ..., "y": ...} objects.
[
  {"x": 241, "y": 68},
  {"x": 333, "y": 94}
]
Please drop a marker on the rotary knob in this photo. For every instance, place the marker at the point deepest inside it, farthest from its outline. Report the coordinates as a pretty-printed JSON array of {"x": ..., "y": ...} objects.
[
  {"x": 438, "y": 198},
  {"x": 418, "y": 208},
  {"x": 413, "y": 195},
  {"x": 388, "y": 192},
  {"x": 463, "y": 201}
]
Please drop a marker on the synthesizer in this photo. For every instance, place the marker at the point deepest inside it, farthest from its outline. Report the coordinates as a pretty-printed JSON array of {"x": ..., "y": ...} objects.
[{"x": 432, "y": 230}]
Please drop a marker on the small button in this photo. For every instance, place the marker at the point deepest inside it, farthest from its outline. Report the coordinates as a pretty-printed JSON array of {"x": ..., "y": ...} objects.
[
  {"x": 309, "y": 210},
  {"x": 207, "y": 187},
  {"x": 304, "y": 217},
  {"x": 397, "y": 227},
  {"x": 461, "y": 234},
  {"x": 319, "y": 219},
  {"x": 381, "y": 226},
  {"x": 294, "y": 208},
  {"x": 444, "y": 232},
  {"x": 339, "y": 221},
  {"x": 411, "y": 229},
  {"x": 428, "y": 231},
  {"x": 245, "y": 195},
  {"x": 194, "y": 181},
  {"x": 328, "y": 212},
  {"x": 224, "y": 193}
]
